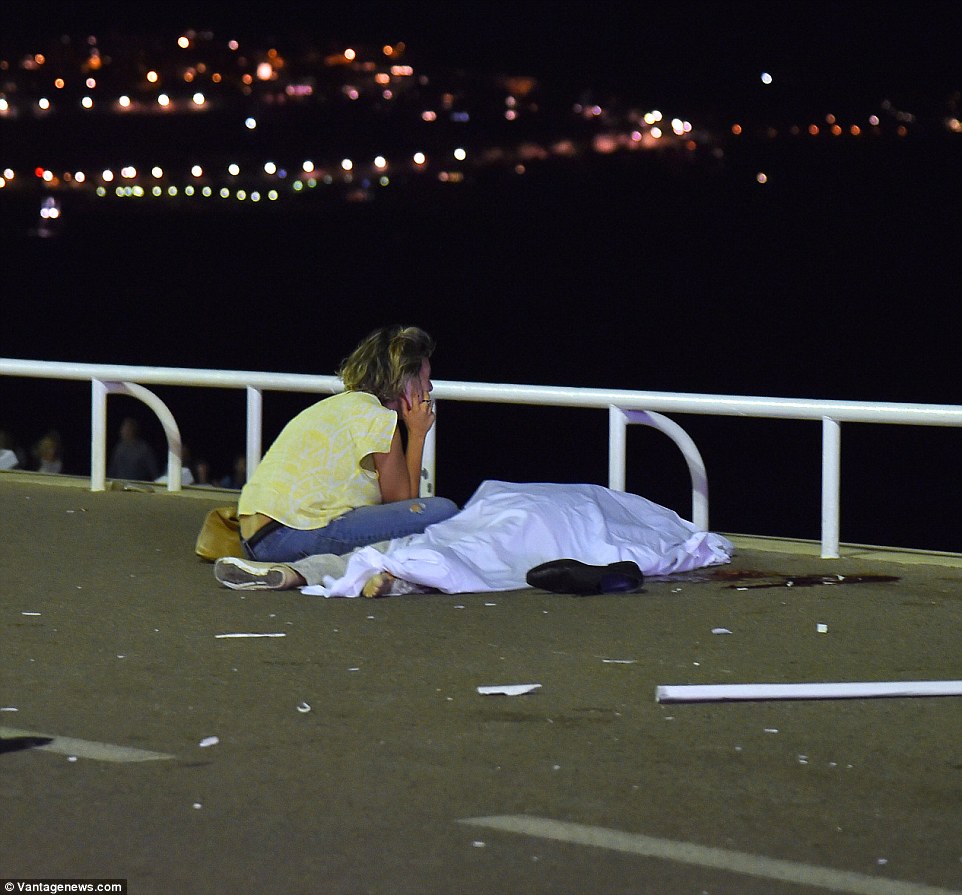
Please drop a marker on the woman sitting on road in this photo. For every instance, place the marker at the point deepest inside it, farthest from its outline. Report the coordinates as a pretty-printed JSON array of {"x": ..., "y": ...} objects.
[{"x": 338, "y": 477}]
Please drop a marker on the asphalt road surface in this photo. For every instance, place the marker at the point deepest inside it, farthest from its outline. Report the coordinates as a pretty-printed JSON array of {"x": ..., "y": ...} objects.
[{"x": 352, "y": 753}]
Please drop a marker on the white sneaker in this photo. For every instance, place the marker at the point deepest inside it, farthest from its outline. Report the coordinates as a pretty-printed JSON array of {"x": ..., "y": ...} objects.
[{"x": 245, "y": 574}]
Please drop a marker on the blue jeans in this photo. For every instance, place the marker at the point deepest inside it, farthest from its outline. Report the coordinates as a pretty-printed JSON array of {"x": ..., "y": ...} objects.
[{"x": 356, "y": 528}]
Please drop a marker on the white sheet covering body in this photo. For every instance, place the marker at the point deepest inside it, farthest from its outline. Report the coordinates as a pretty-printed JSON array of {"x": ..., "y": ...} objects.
[{"x": 506, "y": 529}]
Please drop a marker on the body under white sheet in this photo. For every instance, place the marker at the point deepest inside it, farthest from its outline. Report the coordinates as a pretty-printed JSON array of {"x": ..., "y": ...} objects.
[{"x": 507, "y": 528}]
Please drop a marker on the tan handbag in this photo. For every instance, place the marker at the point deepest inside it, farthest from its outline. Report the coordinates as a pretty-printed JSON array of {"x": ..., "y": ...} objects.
[{"x": 220, "y": 535}]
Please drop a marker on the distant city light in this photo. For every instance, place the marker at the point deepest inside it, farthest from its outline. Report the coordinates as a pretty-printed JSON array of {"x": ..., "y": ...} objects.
[
  {"x": 107, "y": 175},
  {"x": 197, "y": 171},
  {"x": 350, "y": 55},
  {"x": 347, "y": 164},
  {"x": 873, "y": 120},
  {"x": 270, "y": 168},
  {"x": 163, "y": 100},
  {"x": 183, "y": 42},
  {"x": 152, "y": 77},
  {"x": 43, "y": 103},
  {"x": 198, "y": 99},
  {"x": 307, "y": 167},
  {"x": 419, "y": 158},
  {"x": 265, "y": 71},
  {"x": 761, "y": 177},
  {"x": 250, "y": 123},
  {"x": 380, "y": 162},
  {"x": 428, "y": 115},
  {"x": 124, "y": 102},
  {"x": 87, "y": 102},
  {"x": 766, "y": 78},
  {"x": 80, "y": 177},
  {"x": 233, "y": 169},
  {"x": 460, "y": 154}
]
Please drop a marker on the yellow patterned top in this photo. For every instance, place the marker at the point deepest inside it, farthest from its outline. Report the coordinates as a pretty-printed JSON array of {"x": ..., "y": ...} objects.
[{"x": 320, "y": 466}]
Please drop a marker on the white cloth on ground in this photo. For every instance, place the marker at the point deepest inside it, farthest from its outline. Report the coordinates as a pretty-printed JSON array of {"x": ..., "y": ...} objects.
[{"x": 505, "y": 529}]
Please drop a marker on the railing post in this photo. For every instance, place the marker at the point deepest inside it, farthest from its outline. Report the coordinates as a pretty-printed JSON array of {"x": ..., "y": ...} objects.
[
  {"x": 617, "y": 447},
  {"x": 831, "y": 485},
  {"x": 255, "y": 428},
  {"x": 686, "y": 444},
  {"x": 98, "y": 435},
  {"x": 175, "y": 446},
  {"x": 428, "y": 486}
]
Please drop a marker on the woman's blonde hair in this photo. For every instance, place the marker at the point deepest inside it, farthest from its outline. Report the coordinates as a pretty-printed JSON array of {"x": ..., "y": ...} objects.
[{"x": 385, "y": 360}]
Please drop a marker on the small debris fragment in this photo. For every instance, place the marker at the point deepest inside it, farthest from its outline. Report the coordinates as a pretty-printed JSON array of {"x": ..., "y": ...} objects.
[
  {"x": 619, "y": 661},
  {"x": 720, "y": 631},
  {"x": 821, "y": 628},
  {"x": 208, "y": 741},
  {"x": 241, "y": 634},
  {"x": 478, "y": 843},
  {"x": 8, "y": 708},
  {"x": 303, "y": 708},
  {"x": 771, "y": 730},
  {"x": 508, "y": 689},
  {"x": 198, "y": 805},
  {"x": 30, "y": 613},
  {"x": 71, "y": 758}
]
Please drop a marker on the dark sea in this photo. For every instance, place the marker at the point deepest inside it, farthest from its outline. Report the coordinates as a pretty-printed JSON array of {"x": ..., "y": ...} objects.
[{"x": 839, "y": 278}]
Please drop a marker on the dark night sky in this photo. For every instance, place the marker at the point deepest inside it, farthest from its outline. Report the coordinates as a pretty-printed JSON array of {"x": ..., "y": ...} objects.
[{"x": 624, "y": 47}]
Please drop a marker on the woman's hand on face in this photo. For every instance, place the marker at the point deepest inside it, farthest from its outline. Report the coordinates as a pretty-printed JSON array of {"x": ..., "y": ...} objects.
[{"x": 417, "y": 412}]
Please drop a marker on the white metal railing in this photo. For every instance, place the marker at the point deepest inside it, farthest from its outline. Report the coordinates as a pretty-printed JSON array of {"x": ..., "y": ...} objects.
[{"x": 623, "y": 407}]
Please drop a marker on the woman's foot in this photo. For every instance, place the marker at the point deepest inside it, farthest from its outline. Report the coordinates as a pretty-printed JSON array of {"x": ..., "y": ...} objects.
[{"x": 245, "y": 574}]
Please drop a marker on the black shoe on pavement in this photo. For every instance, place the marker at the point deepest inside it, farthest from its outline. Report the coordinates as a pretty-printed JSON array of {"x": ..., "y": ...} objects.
[{"x": 569, "y": 576}]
